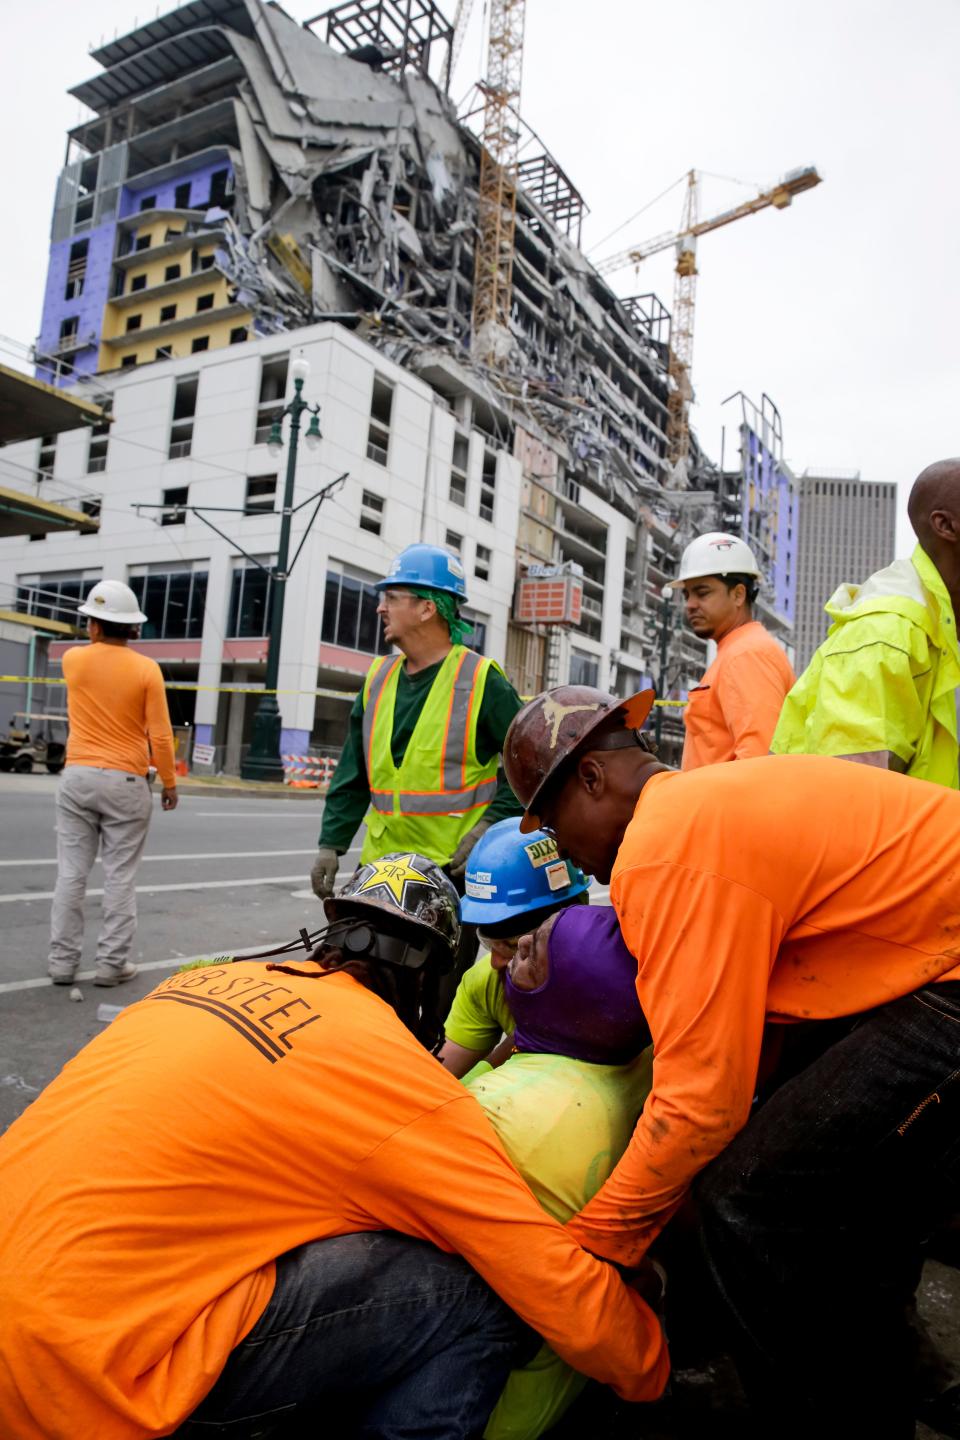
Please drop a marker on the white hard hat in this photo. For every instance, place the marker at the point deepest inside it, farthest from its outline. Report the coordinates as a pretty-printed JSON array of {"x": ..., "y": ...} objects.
[
  {"x": 716, "y": 554},
  {"x": 112, "y": 600}
]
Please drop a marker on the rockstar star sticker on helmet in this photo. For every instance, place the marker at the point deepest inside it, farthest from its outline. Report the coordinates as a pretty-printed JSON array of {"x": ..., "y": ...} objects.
[{"x": 393, "y": 875}]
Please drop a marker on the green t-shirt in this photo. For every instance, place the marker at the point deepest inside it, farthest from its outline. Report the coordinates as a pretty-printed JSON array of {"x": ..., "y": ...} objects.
[
  {"x": 565, "y": 1124},
  {"x": 349, "y": 794},
  {"x": 479, "y": 1014}
]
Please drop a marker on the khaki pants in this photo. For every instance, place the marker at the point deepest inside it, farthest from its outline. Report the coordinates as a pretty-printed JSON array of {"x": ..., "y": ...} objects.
[{"x": 110, "y": 809}]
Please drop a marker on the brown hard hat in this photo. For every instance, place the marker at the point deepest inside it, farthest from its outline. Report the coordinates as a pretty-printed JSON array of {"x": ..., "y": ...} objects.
[{"x": 547, "y": 731}]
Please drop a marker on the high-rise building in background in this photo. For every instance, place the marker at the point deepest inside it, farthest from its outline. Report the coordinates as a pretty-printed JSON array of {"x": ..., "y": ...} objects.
[{"x": 846, "y": 530}]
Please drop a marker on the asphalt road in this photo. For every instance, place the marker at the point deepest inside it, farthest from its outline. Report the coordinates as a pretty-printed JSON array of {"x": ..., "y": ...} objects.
[{"x": 220, "y": 874}]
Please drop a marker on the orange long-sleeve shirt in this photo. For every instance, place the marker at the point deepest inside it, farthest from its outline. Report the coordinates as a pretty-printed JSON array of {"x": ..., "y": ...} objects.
[
  {"x": 233, "y": 1114},
  {"x": 733, "y": 712},
  {"x": 789, "y": 888},
  {"x": 116, "y": 704}
]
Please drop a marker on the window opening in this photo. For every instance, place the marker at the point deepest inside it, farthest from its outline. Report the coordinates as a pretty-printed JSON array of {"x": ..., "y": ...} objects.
[
  {"x": 458, "y": 469},
  {"x": 371, "y": 512},
  {"x": 261, "y": 494},
  {"x": 176, "y": 499},
  {"x": 381, "y": 407},
  {"x": 481, "y": 566},
  {"x": 184, "y": 410},
  {"x": 273, "y": 388}
]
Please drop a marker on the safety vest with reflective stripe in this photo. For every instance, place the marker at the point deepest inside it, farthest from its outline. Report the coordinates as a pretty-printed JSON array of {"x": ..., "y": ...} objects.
[{"x": 440, "y": 790}]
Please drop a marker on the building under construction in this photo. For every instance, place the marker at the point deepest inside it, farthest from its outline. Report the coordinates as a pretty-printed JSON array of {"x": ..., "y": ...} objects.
[{"x": 243, "y": 176}]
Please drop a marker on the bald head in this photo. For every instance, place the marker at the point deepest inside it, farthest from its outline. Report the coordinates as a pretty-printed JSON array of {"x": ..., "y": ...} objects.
[{"x": 934, "y": 507}]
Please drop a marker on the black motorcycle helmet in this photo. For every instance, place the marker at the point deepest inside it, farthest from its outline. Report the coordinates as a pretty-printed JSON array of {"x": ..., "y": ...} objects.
[{"x": 411, "y": 910}]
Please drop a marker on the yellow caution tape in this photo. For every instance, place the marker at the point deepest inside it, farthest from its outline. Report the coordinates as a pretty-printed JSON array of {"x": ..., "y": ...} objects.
[
  {"x": 190, "y": 685},
  {"x": 236, "y": 689}
]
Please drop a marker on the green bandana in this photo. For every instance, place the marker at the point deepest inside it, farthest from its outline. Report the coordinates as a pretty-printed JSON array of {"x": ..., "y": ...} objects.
[{"x": 447, "y": 609}]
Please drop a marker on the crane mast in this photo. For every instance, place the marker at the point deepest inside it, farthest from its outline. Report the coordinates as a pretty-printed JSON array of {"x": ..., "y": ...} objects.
[
  {"x": 680, "y": 391},
  {"x": 497, "y": 208}
]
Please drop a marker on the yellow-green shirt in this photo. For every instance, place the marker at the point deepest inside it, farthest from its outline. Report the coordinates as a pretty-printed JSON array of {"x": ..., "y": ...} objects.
[
  {"x": 565, "y": 1124},
  {"x": 479, "y": 1014}
]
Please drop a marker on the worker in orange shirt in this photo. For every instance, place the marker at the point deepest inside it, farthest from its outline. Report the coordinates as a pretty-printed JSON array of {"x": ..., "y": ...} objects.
[
  {"x": 256, "y": 1198},
  {"x": 119, "y": 725},
  {"x": 733, "y": 712},
  {"x": 793, "y": 896}
]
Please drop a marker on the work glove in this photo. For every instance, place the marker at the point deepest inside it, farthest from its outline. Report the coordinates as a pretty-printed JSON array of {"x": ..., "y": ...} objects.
[
  {"x": 460, "y": 856},
  {"x": 324, "y": 871}
]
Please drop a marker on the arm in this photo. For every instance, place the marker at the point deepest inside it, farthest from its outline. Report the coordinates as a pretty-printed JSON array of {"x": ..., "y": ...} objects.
[
  {"x": 160, "y": 736},
  {"x": 476, "y": 1021},
  {"x": 751, "y": 698},
  {"x": 709, "y": 945},
  {"x": 499, "y": 705},
  {"x": 862, "y": 700},
  {"x": 349, "y": 794},
  {"x": 486, "y": 1214}
]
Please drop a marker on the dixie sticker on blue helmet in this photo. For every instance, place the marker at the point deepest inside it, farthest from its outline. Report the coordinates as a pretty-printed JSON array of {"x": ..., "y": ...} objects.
[{"x": 542, "y": 852}]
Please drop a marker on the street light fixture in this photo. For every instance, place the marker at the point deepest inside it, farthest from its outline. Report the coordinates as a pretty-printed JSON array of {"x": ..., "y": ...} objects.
[{"x": 263, "y": 758}]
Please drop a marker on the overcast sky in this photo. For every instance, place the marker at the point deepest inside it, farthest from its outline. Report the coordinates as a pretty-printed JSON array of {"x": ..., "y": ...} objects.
[{"x": 843, "y": 308}]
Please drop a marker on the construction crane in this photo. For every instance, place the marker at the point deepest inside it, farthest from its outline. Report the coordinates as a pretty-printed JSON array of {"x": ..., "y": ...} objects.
[
  {"x": 680, "y": 388},
  {"x": 497, "y": 209}
]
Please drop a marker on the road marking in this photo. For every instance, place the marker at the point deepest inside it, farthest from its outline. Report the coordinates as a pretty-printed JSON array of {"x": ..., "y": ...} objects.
[
  {"x": 43, "y": 981},
  {"x": 253, "y": 814},
  {"x": 243, "y": 880},
  {"x": 200, "y": 855}
]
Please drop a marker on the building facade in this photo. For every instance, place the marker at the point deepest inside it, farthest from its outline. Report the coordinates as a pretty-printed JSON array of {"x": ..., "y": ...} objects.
[
  {"x": 419, "y": 465},
  {"x": 846, "y": 530}
]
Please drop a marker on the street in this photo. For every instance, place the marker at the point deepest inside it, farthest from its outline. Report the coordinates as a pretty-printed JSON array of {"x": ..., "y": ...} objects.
[
  {"x": 220, "y": 873},
  {"x": 224, "y": 873}
]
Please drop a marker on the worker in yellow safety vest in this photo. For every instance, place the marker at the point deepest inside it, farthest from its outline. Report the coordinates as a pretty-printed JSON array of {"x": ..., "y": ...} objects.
[
  {"x": 422, "y": 753},
  {"x": 884, "y": 686}
]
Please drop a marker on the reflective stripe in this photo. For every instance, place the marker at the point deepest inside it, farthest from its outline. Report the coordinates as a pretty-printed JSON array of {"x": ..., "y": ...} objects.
[
  {"x": 374, "y": 692},
  {"x": 382, "y": 800},
  {"x": 451, "y": 802},
  {"x": 458, "y": 727}
]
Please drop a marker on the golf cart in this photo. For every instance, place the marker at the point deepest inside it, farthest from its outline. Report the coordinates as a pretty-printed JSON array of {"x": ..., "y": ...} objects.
[{"x": 20, "y": 750}]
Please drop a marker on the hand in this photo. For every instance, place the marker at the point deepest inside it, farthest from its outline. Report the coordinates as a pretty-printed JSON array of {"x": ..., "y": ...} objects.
[
  {"x": 460, "y": 856},
  {"x": 324, "y": 872},
  {"x": 169, "y": 799}
]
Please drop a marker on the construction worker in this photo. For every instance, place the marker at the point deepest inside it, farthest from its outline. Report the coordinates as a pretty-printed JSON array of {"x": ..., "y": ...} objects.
[
  {"x": 882, "y": 687},
  {"x": 256, "y": 1196},
  {"x": 513, "y": 884},
  {"x": 788, "y": 889},
  {"x": 425, "y": 733},
  {"x": 565, "y": 1101},
  {"x": 118, "y": 726},
  {"x": 733, "y": 712}
]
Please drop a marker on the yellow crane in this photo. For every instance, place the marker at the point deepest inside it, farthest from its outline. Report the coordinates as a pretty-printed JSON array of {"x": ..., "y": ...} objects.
[
  {"x": 680, "y": 391},
  {"x": 497, "y": 209}
]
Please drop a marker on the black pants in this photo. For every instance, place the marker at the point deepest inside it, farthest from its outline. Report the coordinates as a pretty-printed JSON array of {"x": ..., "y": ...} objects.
[{"x": 812, "y": 1216}]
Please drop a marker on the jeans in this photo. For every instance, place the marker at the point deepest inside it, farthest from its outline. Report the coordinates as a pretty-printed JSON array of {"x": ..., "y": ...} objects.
[
  {"x": 368, "y": 1335},
  {"x": 109, "y": 809},
  {"x": 811, "y": 1216}
]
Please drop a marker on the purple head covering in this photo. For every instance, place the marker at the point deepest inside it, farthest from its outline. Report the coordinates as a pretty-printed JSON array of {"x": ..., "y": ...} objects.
[{"x": 587, "y": 1007}]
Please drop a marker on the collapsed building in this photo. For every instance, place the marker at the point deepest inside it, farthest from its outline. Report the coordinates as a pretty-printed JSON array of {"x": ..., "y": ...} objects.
[{"x": 243, "y": 176}]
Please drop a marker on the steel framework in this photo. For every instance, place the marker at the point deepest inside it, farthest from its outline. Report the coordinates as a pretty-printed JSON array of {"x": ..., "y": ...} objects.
[{"x": 404, "y": 31}]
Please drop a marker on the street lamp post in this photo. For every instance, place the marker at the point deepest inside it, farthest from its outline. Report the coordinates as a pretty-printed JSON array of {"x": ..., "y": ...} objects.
[
  {"x": 263, "y": 758},
  {"x": 665, "y": 627}
]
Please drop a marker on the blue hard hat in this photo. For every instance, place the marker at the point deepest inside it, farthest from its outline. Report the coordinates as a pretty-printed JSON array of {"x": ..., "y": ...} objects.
[
  {"x": 509, "y": 875},
  {"x": 428, "y": 567}
]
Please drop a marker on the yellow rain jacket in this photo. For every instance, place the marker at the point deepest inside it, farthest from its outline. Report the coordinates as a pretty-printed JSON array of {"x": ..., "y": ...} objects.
[{"x": 885, "y": 678}]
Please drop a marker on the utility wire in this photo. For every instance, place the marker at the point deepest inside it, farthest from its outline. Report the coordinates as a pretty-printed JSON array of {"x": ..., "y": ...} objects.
[{"x": 681, "y": 181}]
